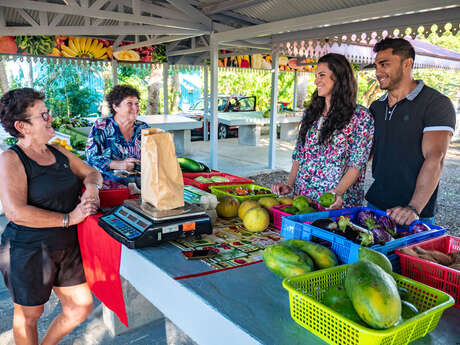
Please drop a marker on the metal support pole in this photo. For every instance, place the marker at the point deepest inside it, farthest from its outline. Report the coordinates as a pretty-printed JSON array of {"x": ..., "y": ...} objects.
[
  {"x": 165, "y": 88},
  {"x": 273, "y": 110},
  {"x": 294, "y": 103},
  {"x": 214, "y": 54},
  {"x": 206, "y": 104},
  {"x": 114, "y": 72}
]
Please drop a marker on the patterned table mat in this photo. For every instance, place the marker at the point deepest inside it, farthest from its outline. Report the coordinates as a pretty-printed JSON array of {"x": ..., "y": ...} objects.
[{"x": 235, "y": 245}]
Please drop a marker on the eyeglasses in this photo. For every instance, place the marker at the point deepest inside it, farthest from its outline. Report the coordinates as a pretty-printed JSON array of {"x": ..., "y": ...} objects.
[
  {"x": 131, "y": 104},
  {"x": 45, "y": 116}
]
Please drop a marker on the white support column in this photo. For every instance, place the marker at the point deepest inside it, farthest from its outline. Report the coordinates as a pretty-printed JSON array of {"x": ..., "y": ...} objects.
[
  {"x": 165, "y": 88},
  {"x": 295, "y": 91},
  {"x": 214, "y": 53},
  {"x": 206, "y": 104},
  {"x": 273, "y": 110},
  {"x": 114, "y": 72}
]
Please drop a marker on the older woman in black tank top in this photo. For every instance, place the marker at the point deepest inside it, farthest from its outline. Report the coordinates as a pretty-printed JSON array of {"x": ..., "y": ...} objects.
[{"x": 40, "y": 193}]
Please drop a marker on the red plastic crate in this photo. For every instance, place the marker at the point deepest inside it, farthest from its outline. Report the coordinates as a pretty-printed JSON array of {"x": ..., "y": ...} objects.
[
  {"x": 278, "y": 213},
  {"x": 189, "y": 180},
  {"x": 430, "y": 273},
  {"x": 113, "y": 194}
]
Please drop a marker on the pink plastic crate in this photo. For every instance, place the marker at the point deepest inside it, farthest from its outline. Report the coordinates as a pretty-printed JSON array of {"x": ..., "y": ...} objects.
[
  {"x": 430, "y": 273},
  {"x": 189, "y": 180}
]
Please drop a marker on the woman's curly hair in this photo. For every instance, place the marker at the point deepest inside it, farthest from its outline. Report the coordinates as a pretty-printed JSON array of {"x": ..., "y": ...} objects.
[
  {"x": 118, "y": 94},
  {"x": 343, "y": 100},
  {"x": 13, "y": 107}
]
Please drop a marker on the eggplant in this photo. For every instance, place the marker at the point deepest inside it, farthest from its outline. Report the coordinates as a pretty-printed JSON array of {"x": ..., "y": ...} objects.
[
  {"x": 367, "y": 219},
  {"x": 381, "y": 236},
  {"x": 420, "y": 227},
  {"x": 326, "y": 224},
  {"x": 387, "y": 224},
  {"x": 354, "y": 232}
]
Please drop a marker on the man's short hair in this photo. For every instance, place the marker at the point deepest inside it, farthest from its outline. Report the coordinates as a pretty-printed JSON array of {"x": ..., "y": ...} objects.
[{"x": 400, "y": 46}]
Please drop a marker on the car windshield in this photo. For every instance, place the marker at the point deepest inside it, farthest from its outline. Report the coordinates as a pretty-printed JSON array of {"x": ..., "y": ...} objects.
[{"x": 199, "y": 105}]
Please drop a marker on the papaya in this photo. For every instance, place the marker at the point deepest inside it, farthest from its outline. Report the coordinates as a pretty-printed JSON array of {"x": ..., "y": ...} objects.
[
  {"x": 403, "y": 292},
  {"x": 374, "y": 294},
  {"x": 289, "y": 209},
  {"x": 336, "y": 298},
  {"x": 375, "y": 257},
  {"x": 334, "y": 295},
  {"x": 408, "y": 310},
  {"x": 322, "y": 256},
  {"x": 287, "y": 262}
]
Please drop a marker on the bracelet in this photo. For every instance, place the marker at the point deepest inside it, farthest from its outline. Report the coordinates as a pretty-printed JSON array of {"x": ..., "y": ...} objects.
[
  {"x": 413, "y": 209},
  {"x": 98, "y": 186},
  {"x": 65, "y": 220}
]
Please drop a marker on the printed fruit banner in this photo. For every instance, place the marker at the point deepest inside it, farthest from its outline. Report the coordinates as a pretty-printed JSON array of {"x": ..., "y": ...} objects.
[
  {"x": 264, "y": 61},
  {"x": 78, "y": 47}
]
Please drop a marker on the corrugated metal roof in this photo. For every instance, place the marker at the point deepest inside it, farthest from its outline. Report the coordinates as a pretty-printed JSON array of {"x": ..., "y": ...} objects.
[{"x": 273, "y": 10}]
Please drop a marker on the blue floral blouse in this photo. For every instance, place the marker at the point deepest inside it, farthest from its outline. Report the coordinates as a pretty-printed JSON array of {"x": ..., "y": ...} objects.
[
  {"x": 321, "y": 167},
  {"x": 106, "y": 143}
]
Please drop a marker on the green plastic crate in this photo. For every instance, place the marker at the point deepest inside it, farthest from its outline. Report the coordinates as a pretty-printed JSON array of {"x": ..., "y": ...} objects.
[
  {"x": 306, "y": 293},
  {"x": 220, "y": 191}
]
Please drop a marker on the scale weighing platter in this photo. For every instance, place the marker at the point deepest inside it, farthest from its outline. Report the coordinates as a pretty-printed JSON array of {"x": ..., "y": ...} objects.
[
  {"x": 137, "y": 224},
  {"x": 156, "y": 215}
]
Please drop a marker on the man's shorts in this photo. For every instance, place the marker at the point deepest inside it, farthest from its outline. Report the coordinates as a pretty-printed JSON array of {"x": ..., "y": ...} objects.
[{"x": 31, "y": 273}]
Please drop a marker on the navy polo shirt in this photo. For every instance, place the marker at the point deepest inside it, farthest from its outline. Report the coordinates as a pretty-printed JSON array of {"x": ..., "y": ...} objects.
[{"x": 398, "y": 138}]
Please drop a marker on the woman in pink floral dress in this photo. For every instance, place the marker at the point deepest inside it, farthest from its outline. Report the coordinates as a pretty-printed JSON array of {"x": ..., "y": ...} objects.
[{"x": 335, "y": 139}]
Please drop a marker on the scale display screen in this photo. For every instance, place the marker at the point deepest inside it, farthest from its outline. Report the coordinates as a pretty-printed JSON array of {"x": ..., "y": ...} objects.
[{"x": 132, "y": 218}]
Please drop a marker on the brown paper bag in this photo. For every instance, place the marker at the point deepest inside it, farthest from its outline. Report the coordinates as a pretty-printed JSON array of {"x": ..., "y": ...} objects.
[{"x": 161, "y": 180}]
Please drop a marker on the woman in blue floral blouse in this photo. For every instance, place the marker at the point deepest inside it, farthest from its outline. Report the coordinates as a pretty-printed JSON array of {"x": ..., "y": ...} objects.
[
  {"x": 115, "y": 141},
  {"x": 335, "y": 139}
]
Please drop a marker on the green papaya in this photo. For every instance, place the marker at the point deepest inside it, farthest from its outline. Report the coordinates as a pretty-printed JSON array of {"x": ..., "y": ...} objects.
[
  {"x": 375, "y": 257},
  {"x": 408, "y": 310},
  {"x": 307, "y": 209},
  {"x": 403, "y": 292},
  {"x": 322, "y": 256},
  {"x": 334, "y": 295},
  {"x": 287, "y": 262},
  {"x": 326, "y": 199},
  {"x": 289, "y": 209},
  {"x": 374, "y": 294}
]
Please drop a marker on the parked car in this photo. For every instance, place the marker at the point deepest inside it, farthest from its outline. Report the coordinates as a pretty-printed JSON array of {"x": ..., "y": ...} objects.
[{"x": 224, "y": 104}]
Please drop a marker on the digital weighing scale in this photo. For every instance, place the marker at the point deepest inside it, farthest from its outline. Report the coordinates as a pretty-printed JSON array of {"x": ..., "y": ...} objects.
[{"x": 137, "y": 224}]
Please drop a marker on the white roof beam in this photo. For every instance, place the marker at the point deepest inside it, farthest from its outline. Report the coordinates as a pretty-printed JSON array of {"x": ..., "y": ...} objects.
[
  {"x": 2, "y": 17},
  {"x": 71, "y": 3},
  {"x": 27, "y": 17},
  {"x": 94, "y": 30},
  {"x": 155, "y": 41},
  {"x": 78, "y": 11},
  {"x": 43, "y": 16},
  {"x": 337, "y": 17},
  {"x": 184, "y": 6},
  {"x": 98, "y": 4},
  {"x": 84, "y": 4},
  {"x": 57, "y": 18},
  {"x": 229, "y": 5},
  {"x": 204, "y": 41},
  {"x": 111, "y": 7},
  {"x": 188, "y": 51},
  {"x": 118, "y": 41},
  {"x": 246, "y": 44},
  {"x": 372, "y": 25}
]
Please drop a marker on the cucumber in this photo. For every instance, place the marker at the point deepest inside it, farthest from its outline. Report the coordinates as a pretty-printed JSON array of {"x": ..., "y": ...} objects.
[{"x": 189, "y": 165}]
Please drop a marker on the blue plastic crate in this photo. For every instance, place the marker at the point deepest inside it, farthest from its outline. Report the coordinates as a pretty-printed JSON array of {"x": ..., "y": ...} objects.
[{"x": 346, "y": 250}]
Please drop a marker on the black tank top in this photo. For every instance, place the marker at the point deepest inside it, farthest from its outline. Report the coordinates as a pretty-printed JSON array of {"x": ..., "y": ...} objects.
[{"x": 52, "y": 187}]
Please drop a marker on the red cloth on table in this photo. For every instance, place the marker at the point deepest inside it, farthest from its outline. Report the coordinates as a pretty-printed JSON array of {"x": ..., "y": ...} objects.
[{"x": 101, "y": 256}]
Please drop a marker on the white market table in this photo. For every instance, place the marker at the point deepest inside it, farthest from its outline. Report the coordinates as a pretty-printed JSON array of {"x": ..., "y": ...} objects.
[
  {"x": 250, "y": 124},
  {"x": 180, "y": 126}
]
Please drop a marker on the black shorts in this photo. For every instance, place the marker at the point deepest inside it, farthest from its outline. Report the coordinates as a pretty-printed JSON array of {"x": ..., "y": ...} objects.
[{"x": 31, "y": 273}]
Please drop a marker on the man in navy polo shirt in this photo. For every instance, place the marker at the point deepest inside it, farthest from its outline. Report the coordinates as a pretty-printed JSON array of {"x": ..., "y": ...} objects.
[{"x": 413, "y": 127}]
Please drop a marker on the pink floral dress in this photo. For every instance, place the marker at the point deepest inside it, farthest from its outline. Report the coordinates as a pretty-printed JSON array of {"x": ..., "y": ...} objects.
[{"x": 321, "y": 167}]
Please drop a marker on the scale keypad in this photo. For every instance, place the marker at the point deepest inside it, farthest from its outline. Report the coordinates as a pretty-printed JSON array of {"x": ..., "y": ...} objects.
[{"x": 121, "y": 227}]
